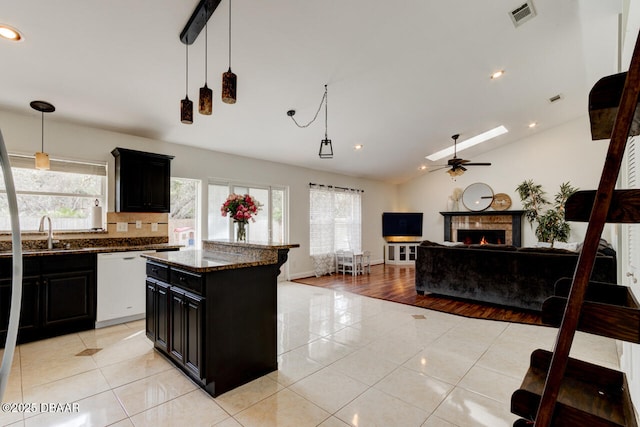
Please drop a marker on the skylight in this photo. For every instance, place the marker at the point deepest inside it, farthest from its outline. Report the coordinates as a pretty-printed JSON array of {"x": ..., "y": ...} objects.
[{"x": 475, "y": 140}]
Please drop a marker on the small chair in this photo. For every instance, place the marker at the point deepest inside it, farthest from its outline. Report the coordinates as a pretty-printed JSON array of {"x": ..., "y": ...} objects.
[
  {"x": 365, "y": 262},
  {"x": 348, "y": 263},
  {"x": 339, "y": 260}
]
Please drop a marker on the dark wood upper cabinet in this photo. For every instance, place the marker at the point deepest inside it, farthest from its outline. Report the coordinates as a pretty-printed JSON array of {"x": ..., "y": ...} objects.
[{"x": 142, "y": 181}]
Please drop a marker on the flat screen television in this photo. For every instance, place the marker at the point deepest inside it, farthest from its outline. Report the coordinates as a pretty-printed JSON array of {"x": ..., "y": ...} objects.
[{"x": 401, "y": 224}]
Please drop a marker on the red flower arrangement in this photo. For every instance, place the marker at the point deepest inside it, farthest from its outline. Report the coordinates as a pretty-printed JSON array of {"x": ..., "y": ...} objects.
[{"x": 241, "y": 208}]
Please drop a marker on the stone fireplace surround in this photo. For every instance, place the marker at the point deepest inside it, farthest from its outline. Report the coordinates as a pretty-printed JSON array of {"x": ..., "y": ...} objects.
[{"x": 509, "y": 221}]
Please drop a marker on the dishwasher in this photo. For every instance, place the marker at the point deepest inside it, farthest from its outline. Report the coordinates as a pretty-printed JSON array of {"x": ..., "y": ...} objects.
[{"x": 121, "y": 287}]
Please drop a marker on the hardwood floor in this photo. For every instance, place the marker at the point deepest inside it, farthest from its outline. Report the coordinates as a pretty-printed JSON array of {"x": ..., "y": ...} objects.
[{"x": 396, "y": 283}]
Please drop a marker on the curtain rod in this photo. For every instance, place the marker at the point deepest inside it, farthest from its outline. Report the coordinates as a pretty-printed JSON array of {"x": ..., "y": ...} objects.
[{"x": 339, "y": 188}]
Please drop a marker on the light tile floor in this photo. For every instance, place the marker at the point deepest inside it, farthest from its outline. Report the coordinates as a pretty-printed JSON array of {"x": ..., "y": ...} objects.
[{"x": 344, "y": 360}]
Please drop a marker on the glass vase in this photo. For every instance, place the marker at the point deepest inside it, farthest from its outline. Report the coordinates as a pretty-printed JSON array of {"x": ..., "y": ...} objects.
[{"x": 241, "y": 231}]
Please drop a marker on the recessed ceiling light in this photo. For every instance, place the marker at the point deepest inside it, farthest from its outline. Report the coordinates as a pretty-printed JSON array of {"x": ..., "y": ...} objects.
[
  {"x": 533, "y": 124},
  {"x": 10, "y": 33},
  {"x": 422, "y": 167},
  {"x": 492, "y": 133},
  {"x": 358, "y": 147},
  {"x": 497, "y": 74}
]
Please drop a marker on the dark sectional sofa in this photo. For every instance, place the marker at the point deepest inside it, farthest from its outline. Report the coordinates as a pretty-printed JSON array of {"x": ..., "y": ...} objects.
[{"x": 501, "y": 274}]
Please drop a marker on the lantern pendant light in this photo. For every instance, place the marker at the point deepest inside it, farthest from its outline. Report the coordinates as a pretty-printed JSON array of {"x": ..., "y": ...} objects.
[
  {"x": 206, "y": 94},
  {"x": 229, "y": 80},
  {"x": 326, "y": 149},
  {"x": 186, "y": 106},
  {"x": 42, "y": 158}
]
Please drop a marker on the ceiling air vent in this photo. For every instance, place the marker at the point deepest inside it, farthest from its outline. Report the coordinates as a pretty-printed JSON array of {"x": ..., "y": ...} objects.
[
  {"x": 555, "y": 98},
  {"x": 522, "y": 14}
]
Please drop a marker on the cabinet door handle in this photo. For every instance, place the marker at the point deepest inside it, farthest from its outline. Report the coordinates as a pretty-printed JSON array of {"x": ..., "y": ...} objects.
[{"x": 182, "y": 278}]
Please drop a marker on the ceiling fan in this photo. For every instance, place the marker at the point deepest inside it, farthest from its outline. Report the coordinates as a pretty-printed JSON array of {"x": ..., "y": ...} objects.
[{"x": 456, "y": 165}]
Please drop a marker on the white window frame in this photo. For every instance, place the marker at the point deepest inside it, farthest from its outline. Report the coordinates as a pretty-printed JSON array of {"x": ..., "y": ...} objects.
[
  {"x": 239, "y": 187},
  {"x": 66, "y": 166}
]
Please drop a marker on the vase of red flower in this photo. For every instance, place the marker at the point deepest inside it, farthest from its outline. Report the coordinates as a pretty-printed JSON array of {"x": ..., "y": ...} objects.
[{"x": 241, "y": 208}]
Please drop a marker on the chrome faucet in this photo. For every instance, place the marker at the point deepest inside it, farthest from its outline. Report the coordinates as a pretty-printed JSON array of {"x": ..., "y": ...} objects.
[{"x": 50, "y": 235}]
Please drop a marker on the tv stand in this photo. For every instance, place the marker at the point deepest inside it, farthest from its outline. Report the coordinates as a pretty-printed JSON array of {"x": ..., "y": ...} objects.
[{"x": 399, "y": 253}]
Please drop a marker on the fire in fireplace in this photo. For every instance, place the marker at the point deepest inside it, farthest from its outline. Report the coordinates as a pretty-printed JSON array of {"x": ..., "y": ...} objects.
[{"x": 481, "y": 236}]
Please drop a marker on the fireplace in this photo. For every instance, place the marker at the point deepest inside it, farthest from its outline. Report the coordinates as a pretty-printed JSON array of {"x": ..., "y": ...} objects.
[
  {"x": 505, "y": 226},
  {"x": 470, "y": 237}
]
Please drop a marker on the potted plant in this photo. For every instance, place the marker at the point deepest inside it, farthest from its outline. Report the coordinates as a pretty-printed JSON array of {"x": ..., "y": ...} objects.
[{"x": 549, "y": 216}]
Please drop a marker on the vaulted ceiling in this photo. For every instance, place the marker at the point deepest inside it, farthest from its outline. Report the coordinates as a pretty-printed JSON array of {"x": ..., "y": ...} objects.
[{"x": 402, "y": 76}]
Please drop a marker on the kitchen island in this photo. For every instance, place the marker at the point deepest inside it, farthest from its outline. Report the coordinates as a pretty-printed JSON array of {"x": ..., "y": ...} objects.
[{"x": 213, "y": 311}]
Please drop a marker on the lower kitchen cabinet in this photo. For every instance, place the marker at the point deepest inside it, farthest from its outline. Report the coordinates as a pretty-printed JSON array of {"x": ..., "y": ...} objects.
[
  {"x": 175, "y": 323},
  {"x": 221, "y": 325},
  {"x": 58, "y": 296},
  {"x": 157, "y": 313}
]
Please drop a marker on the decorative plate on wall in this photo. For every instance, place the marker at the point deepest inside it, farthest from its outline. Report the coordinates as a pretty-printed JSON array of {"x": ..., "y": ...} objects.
[{"x": 501, "y": 202}]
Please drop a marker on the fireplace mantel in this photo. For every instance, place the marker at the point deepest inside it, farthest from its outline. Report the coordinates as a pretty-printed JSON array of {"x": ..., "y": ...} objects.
[{"x": 485, "y": 219}]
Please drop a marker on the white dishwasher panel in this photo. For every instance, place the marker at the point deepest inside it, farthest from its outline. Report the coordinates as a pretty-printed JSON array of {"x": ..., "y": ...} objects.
[{"x": 121, "y": 287}]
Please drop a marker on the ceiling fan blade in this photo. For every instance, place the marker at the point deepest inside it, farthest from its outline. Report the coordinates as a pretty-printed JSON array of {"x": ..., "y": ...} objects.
[
  {"x": 477, "y": 164},
  {"x": 462, "y": 168},
  {"x": 439, "y": 168}
]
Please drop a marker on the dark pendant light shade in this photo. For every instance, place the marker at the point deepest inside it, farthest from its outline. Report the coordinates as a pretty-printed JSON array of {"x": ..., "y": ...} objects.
[
  {"x": 186, "y": 111},
  {"x": 229, "y": 83},
  {"x": 205, "y": 104},
  {"x": 229, "y": 80},
  {"x": 186, "y": 106},
  {"x": 206, "y": 100}
]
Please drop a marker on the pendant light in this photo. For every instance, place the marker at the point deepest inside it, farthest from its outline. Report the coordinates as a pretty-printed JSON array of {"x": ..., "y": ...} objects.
[
  {"x": 206, "y": 94},
  {"x": 42, "y": 158},
  {"x": 186, "y": 106},
  {"x": 326, "y": 149},
  {"x": 229, "y": 80}
]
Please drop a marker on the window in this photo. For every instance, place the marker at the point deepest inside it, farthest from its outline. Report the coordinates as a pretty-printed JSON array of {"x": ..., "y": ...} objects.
[
  {"x": 270, "y": 223},
  {"x": 65, "y": 193},
  {"x": 183, "y": 218},
  {"x": 335, "y": 220}
]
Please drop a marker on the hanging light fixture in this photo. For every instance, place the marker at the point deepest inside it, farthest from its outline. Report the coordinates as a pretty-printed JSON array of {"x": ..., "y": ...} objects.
[
  {"x": 186, "y": 106},
  {"x": 42, "y": 158},
  {"x": 206, "y": 94},
  {"x": 229, "y": 80},
  {"x": 326, "y": 149}
]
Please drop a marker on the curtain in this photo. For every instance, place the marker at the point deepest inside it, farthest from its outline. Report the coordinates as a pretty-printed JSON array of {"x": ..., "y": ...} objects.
[{"x": 335, "y": 223}]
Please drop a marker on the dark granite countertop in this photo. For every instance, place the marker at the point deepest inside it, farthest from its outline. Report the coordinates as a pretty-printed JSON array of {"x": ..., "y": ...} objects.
[
  {"x": 223, "y": 255},
  {"x": 100, "y": 249},
  {"x": 206, "y": 261}
]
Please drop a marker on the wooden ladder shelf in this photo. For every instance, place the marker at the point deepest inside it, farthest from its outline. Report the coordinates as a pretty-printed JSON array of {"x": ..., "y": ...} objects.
[{"x": 558, "y": 390}]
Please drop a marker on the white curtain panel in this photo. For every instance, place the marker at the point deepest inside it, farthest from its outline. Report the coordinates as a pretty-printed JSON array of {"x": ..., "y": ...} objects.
[{"x": 335, "y": 223}]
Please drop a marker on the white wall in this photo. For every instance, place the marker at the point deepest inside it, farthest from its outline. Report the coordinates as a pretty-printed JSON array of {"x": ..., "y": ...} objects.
[
  {"x": 22, "y": 135},
  {"x": 550, "y": 157}
]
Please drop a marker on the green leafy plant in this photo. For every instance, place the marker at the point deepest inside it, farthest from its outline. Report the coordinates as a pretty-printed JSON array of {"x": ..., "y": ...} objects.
[{"x": 549, "y": 216}]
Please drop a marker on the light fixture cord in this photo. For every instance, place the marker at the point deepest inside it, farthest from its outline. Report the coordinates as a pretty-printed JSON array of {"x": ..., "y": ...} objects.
[
  {"x": 42, "y": 130},
  {"x": 326, "y": 109},
  {"x": 317, "y": 112},
  {"x": 187, "y": 78},
  {"x": 229, "y": 35},
  {"x": 206, "y": 48}
]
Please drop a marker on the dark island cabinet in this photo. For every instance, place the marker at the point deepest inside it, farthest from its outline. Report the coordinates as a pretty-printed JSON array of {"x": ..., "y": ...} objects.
[
  {"x": 174, "y": 320},
  {"x": 58, "y": 296},
  {"x": 157, "y": 316},
  {"x": 222, "y": 324},
  {"x": 142, "y": 181}
]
